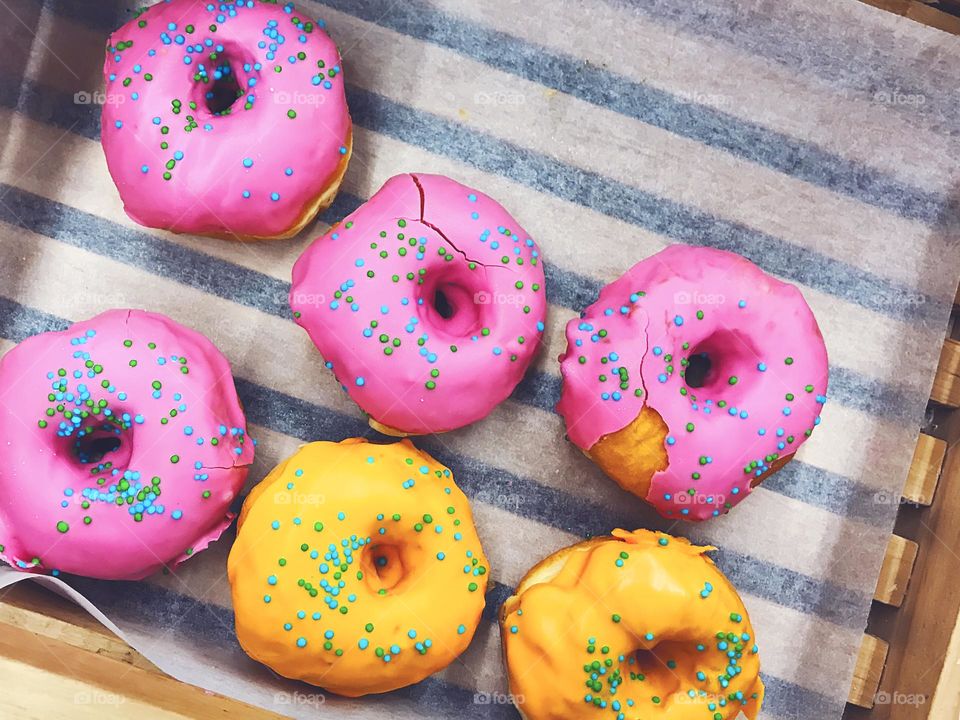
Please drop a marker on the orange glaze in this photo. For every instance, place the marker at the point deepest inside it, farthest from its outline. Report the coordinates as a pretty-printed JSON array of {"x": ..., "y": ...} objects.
[
  {"x": 638, "y": 626},
  {"x": 357, "y": 567}
]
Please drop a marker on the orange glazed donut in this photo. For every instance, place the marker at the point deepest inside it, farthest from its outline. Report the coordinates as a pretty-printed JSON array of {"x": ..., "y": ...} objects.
[
  {"x": 638, "y": 625},
  {"x": 357, "y": 568}
]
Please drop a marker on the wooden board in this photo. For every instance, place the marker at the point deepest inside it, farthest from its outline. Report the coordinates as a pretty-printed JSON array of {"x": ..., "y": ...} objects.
[
  {"x": 946, "y": 699},
  {"x": 64, "y": 664}
]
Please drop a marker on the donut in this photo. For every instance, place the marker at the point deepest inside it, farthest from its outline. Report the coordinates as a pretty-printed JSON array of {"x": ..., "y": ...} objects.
[
  {"x": 427, "y": 303},
  {"x": 225, "y": 119},
  {"x": 124, "y": 446},
  {"x": 357, "y": 568},
  {"x": 637, "y": 625},
  {"x": 693, "y": 377}
]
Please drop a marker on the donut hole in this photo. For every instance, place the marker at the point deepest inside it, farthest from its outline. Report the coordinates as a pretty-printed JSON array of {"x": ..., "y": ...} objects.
[
  {"x": 442, "y": 304},
  {"x": 453, "y": 305},
  {"x": 714, "y": 364},
  {"x": 102, "y": 443},
  {"x": 698, "y": 369},
  {"x": 383, "y": 566},
  {"x": 657, "y": 668},
  {"x": 220, "y": 85},
  {"x": 224, "y": 92}
]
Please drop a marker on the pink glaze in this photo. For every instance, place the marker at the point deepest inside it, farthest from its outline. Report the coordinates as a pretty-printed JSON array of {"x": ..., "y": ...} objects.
[
  {"x": 373, "y": 313},
  {"x": 175, "y": 412},
  {"x": 254, "y": 171},
  {"x": 759, "y": 401}
]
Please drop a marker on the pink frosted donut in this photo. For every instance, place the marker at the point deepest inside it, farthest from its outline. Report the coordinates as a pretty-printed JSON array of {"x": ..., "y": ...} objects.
[
  {"x": 427, "y": 303},
  {"x": 124, "y": 445},
  {"x": 692, "y": 378},
  {"x": 226, "y": 119}
]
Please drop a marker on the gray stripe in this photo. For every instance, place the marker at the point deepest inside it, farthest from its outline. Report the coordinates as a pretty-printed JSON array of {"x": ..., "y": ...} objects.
[
  {"x": 591, "y": 190},
  {"x": 870, "y": 66},
  {"x": 538, "y": 389},
  {"x": 194, "y": 621},
  {"x": 517, "y": 494},
  {"x": 593, "y": 84}
]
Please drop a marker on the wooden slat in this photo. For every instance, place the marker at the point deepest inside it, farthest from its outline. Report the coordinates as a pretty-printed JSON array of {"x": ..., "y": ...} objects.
[
  {"x": 925, "y": 469},
  {"x": 867, "y": 671},
  {"x": 43, "y": 613},
  {"x": 895, "y": 574},
  {"x": 946, "y": 384}
]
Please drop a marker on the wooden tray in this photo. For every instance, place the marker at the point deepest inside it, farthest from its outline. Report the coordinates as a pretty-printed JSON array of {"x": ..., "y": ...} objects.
[{"x": 57, "y": 661}]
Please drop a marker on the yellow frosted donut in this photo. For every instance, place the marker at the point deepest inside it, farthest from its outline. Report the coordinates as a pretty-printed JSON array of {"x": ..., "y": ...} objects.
[
  {"x": 638, "y": 625},
  {"x": 357, "y": 567}
]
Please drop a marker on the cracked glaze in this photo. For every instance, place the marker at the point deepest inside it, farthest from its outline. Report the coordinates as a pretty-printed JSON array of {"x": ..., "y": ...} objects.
[
  {"x": 186, "y": 160},
  {"x": 759, "y": 401},
  {"x": 164, "y": 395},
  {"x": 427, "y": 303}
]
